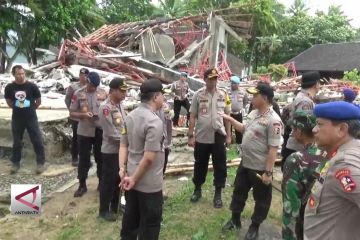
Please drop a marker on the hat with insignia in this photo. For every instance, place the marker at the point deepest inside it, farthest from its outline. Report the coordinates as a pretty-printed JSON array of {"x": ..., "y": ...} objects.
[
  {"x": 84, "y": 71},
  {"x": 211, "y": 73},
  {"x": 94, "y": 78},
  {"x": 151, "y": 85},
  {"x": 235, "y": 79},
  {"x": 337, "y": 111},
  {"x": 118, "y": 83},
  {"x": 304, "y": 120},
  {"x": 183, "y": 74},
  {"x": 263, "y": 89},
  {"x": 349, "y": 95},
  {"x": 310, "y": 79}
]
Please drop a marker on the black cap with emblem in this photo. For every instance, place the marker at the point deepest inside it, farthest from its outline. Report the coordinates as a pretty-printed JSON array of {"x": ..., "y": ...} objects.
[
  {"x": 118, "y": 83},
  {"x": 84, "y": 71},
  {"x": 151, "y": 85},
  {"x": 211, "y": 73}
]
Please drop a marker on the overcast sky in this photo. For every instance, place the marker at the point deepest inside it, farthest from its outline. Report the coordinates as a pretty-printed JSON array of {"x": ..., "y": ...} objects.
[{"x": 351, "y": 8}]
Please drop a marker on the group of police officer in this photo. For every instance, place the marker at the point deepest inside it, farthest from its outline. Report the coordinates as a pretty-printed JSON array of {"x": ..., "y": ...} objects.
[{"x": 144, "y": 138}]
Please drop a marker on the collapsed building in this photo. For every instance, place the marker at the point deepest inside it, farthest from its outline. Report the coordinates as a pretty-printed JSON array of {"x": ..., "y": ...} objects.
[{"x": 134, "y": 51}]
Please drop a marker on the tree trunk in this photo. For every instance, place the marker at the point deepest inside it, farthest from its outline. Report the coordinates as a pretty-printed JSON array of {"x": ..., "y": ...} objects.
[
  {"x": 2, "y": 53},
  {"x": 11, "y": 60}
]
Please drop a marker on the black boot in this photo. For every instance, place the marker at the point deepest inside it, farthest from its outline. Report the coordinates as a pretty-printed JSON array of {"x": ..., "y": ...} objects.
[
  {"x": 196, "y": 195},
  {"x": 217, "y": 198},
  {"x": 233, "y": 223},
  {"x": 108, "y": 216},
  {"x": 253, "y": 232},
  {"x": 82, "y": 188}
]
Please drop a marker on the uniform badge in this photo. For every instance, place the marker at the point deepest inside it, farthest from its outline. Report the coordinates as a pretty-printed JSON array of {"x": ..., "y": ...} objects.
[
  {"x": 74, "y": 98},
  {"x": 123, "y": 130},
  {"x": 312, "y": 202},
  {"x": 106, "y": 112},
  {"x": 343, "y": 175},
  {"x": 118, "y": 121},
  {"x": 277, "y": 128}
]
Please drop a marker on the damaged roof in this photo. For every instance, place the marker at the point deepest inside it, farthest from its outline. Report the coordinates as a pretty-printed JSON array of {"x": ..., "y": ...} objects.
[{"x": 329, "y": 57}]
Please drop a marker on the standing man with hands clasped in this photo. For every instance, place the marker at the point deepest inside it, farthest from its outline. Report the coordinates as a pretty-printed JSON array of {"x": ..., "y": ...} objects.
[
  {"x": 211, "y": 136},
  {"x": 261, "y": 140},
  {"x": 24, "y": 98},
  {"x": 141, "y": 165}
]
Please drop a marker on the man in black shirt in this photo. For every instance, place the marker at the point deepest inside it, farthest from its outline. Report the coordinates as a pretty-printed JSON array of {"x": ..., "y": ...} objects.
[{"x": 24, "y": 98}]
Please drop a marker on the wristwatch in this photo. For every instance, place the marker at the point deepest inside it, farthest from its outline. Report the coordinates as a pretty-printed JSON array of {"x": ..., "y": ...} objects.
[{"x": 268, "y": 173}]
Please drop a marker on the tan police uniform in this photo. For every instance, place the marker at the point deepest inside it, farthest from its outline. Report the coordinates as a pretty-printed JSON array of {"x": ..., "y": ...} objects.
[
  {"x": 166, "y": 114},
  {"x": 74, "y": 122},
  {"x": 111, "y": 119},
  {"x": 333, "y": 208},
  {"x": 302, "y": 101},
  {"x": 89, "y": 130},
  {"x": 180, "y": 89},
  {"x": 210, "y": 134},
  {"x": 144, "y": 132},
  {"x": 239, "y": 99},
  {"x": 261, "y": 131}
]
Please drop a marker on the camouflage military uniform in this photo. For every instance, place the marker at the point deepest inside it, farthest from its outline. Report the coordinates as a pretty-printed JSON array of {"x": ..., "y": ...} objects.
[{"x": 299, "y": 175}]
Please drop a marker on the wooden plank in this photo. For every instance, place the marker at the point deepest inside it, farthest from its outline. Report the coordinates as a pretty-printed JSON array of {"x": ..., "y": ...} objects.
[{"x": 239, "y": 24}]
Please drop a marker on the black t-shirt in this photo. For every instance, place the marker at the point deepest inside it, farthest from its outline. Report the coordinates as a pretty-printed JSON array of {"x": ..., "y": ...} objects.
[{"x": 23, "y": 97}]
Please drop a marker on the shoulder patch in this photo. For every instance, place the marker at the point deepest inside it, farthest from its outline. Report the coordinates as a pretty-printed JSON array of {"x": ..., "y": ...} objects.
[
  {"x": 73, "y": 98},
  {"x": 106, "y": 111},
  {"x": 344, "y": 176}
]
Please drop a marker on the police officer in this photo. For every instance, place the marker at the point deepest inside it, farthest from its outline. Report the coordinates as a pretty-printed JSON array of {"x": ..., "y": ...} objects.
[
  {"x": 349, "y": 95},
  {"x": 333, "y": 208},
  {"x": 298, "y": 175},
  {"x": 210, "y": 137},
  {"x": 304, "y": 100},
  {"x": 84, "y": 106},
  {"x": 239, "y": 99},
  {"x": 111, "y": 118},
  {"x": 74, "y": 122},
  {"x": 180, "y": 89},
  {"x": 141, "y": 165},
  {"x": 261, "y": 140}
]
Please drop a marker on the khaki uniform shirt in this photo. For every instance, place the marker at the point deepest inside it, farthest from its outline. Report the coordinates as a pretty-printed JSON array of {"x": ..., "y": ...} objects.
[
  {"x": 180, "y": 89},
  {"x": 111, "y": 119},
  {"x": 69, "y": 94},
  {"x": 82, "y": 101},
  {"x": 144, "y": 132},
  {"x": 207, "y": 109},
  {"x": 302, "y": 101},
  {"x": 239, "y": 99},
  {"x": 261, "y": 131},
  {"x": 333, "y": 208},
  {"x": 166, "y": 114}
]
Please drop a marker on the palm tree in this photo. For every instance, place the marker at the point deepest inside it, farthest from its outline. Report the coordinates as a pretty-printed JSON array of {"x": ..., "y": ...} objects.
[{"x": 298, "y": 8}]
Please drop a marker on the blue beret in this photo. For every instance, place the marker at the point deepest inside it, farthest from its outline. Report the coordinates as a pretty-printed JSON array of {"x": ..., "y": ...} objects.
[
  {"x": 94, "y": 78},
  {"x": 235, "y": 79},
  {"x": 349, "y": 94},
  {"x": 338, "y": 110}
]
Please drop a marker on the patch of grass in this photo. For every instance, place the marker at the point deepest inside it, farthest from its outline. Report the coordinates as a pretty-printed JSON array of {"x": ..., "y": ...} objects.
[
  {"x": 73, "y": 231},
  {"x": 185, "y": 220},
  {"x": 232, "y": 152}
]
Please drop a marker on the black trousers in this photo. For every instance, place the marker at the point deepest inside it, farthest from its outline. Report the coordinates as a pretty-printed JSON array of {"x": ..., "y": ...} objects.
[
  {"x": 109, "y": 184},
  {"x": 245, "y": 180},
  {"x": 177, "y": 107},
  {"x": 85, "y": 146},
  {"x": 202, "y": 153},
  {"x": 74, "y": 143},
  {"x": 143, "y": 215},
  {"x": 18, "y": 127},
  {"x": 167, "y": 152},
  {"x": 238, "y": 136}
]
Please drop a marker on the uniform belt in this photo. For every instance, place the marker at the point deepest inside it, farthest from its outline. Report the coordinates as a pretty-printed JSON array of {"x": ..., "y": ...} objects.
[{"x": 236, "y": 112}]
